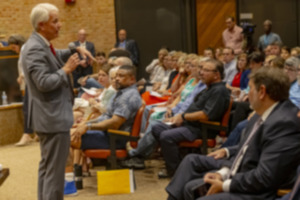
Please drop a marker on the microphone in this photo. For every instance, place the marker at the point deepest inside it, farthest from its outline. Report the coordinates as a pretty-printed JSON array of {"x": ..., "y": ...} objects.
[{"x": 72, "y": 47}]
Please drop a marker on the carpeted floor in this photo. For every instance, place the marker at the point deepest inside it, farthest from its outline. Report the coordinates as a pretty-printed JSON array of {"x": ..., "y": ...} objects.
[{"x": 22, "y": 181}]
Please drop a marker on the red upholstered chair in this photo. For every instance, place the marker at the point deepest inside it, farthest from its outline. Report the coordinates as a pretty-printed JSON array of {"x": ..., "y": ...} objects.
[
  {"x": 204, "y": 143},
  {"x": 113, "y": 154}
]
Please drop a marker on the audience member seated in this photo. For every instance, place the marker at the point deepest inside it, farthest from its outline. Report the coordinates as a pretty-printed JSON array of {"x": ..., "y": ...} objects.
[
  {"x": 184, "y": 91},
  {"x": 100, "y": 61},
  {"x": 90, "y": 81},
  {"x": 229, "y": 65},
  {"x": 120, "y": 114},
  {"x": 209, "y": 53},
  {"x": 276, "y": 48},
  {"x": 210, "y": 104},
  {"x": 219, "y": 54},
  {"x": 147, "y": 143},
  {"x": 242, "y": 64},
  {"x": 295, "y": 51},
  {"x": 277, "y": 62},
  {"x": 262, "y": 163},
  {"x": 156, "y": 67},
  {"x": 285, "y": 52},
  {"x": 291, "y": 68},
  {"x": 96, "y": 104},
  {"x": 162, "y": 87}
]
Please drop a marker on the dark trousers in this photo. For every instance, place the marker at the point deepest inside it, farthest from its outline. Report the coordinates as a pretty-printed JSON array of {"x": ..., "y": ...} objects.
[
  {"x": 188, "y": 175},
  {"x": 54, "y": 153},
  {"x": 25, "y": 113},
  {"x": 169, "y": 138}
]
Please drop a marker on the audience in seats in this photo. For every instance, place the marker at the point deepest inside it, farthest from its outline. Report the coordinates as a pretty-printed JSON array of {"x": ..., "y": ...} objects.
[
  {"x": 163, "y": 88},
  {"x": 93, "y": 105},
  {"x": 266, "y": 158},
  {"x": 156, "y": 67},
  {"x": 233, "y": 36},
  {"x": 269, "y": 37},
  {"x": 85, "y": 67},
  {"x": 229, "y": 65},
  {"x": 90, "y": 81},
  {"x": 210, "y": 104},
  {"x": 147, "y": 143}
]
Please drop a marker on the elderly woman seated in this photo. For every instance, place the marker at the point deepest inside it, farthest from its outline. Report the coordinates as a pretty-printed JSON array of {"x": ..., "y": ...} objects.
[{"x": 94, "y": 101}]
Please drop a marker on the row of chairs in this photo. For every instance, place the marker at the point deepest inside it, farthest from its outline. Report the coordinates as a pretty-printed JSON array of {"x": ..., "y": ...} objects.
[{"x": 113, "y": 154}]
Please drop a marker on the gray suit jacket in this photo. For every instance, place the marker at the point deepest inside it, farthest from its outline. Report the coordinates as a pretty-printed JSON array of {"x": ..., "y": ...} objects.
[{"x": 50, "y": 92}]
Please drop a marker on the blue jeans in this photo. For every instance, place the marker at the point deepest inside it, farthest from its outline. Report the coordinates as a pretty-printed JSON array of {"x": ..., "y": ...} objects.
[{"x": 146, "y": 144}]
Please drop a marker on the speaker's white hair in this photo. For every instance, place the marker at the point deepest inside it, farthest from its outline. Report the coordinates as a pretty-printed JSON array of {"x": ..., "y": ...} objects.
[{"x": 41, "y": 13}]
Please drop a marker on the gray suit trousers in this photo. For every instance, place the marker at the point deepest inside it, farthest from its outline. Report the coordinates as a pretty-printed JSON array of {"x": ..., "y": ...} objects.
[{"x": 54, "y": 153}]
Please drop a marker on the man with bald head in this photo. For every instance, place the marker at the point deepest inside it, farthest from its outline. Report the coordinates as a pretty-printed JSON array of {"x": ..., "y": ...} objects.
[
  {"x": 129, "y": 45},
  {"x": 269, "y": 37},
  {"x": 85, "y": 67}
]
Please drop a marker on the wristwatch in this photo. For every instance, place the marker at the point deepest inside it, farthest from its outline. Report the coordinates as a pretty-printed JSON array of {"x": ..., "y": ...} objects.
[
  {"x": 89, "y": 125},
  {"x": 182, "y": 116}
]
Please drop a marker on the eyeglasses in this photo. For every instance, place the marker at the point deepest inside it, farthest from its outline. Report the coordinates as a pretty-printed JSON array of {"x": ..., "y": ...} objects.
[
  {"x": 208, "y": 70},
  {"x": 291, "y": 69}
]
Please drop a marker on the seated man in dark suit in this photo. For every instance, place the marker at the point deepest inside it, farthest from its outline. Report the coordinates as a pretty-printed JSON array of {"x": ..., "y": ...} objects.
[
  {"x": 269, "y": 157},
  {"x": 210, "y": 104}
]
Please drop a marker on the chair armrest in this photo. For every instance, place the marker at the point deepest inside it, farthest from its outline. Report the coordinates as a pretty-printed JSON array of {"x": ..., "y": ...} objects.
[
  {"x": 282, "y": 192},
  {"x": 118, "y": 132},
  {"x": 210, "y": 122}
]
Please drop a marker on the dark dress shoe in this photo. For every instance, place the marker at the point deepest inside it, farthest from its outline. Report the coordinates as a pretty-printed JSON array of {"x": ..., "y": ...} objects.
[{"x": 135, "y": 163}]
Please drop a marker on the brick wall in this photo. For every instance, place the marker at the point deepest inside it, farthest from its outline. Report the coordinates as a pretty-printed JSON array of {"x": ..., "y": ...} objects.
[{"x": 97, "y": 17}]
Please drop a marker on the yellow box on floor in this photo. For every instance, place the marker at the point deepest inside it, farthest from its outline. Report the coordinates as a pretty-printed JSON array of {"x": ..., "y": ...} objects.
[{"x": 115, "y": 182}]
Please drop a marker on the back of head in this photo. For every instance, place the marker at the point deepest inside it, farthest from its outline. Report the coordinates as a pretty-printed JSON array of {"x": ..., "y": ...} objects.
[
  {"x": 16, "y": 39},
  {"x": 256, "y": 57},
  {"x": 123, "y": 61},
  {"x": 40, "y": 13},
  {"x": 275, "y": 81}
]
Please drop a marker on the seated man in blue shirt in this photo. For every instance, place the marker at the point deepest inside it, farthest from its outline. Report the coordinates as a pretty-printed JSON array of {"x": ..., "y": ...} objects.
[
  {"x": 120, "y": 115},
  {"x": 291, "y": 67}
]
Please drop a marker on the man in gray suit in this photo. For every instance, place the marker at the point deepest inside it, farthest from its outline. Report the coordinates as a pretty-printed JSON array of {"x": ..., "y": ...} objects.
[{"x": 50, "y": 97}]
